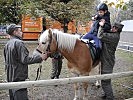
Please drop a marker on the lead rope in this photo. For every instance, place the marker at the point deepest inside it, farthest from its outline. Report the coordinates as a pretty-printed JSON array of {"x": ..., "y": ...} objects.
[{"x": 39, "y": 70}]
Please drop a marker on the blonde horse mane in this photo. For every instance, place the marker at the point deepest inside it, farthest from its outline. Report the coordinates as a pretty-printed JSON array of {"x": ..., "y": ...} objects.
[{"x": 65, "y": 40}]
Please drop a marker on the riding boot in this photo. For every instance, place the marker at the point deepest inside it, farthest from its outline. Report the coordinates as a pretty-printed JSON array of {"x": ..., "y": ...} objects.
[
  {"x": 57, "y": 77},
  {"x": 98, "y": 52},
  {"x": 52, "y": 77}
]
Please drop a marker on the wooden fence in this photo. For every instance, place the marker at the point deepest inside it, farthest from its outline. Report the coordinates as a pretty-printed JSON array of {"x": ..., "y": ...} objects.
[{"x": 27, "y": 84}]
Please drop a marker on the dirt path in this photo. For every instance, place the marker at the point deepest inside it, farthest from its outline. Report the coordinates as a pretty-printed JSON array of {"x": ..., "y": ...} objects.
[{"x": 65, "y": 92}]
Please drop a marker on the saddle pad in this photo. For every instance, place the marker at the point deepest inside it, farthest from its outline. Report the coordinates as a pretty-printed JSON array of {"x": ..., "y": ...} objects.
[{"x": 95, "y": 53}]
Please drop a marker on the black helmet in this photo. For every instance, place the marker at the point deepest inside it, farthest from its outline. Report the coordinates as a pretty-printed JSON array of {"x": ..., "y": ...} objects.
[
  {"x": 102, "y": 6},
  {"x": 11, "y": 28}
]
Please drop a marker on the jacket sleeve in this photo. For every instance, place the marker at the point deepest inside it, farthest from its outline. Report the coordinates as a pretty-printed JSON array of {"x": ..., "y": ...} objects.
[
  {"x": 23, "y": 55},
  {"x": 5, "y": 59},
  {"x": 108, "y": 37},
  {"x": 107, "y": 27}
]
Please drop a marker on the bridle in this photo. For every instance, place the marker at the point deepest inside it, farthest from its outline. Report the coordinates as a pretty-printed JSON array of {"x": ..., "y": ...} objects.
[
  {"x": 48, "y": 51},
  {"x": 48, "y": 54}
]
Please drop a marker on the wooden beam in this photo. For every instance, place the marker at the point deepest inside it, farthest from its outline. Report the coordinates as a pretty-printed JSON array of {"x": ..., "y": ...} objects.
[{"x": 39, "y": 83}]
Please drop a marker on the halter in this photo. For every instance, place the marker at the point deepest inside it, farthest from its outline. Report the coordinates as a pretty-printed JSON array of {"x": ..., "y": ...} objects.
[
  {"x": 48, "y": 51},
  {"x": 48, "y": 54}
]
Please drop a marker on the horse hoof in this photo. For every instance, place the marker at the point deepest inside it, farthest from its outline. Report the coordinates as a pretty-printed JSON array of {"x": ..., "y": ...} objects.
[
  {"x": 98, "y": 86},
  {"x": 85, "y": 98},
  {"x": 76, "y": 98}
]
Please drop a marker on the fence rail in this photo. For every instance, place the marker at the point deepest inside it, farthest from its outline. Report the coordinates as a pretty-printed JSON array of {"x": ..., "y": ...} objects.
[
  {"x": 39, "y": 83},
  {"x": 126, "y": 46}
]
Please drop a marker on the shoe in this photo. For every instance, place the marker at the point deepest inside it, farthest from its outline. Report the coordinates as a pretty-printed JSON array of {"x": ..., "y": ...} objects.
[
  {"x": 57, "y": 77},
  {"x": 52, "y": 77},
  {"x": 103, "y": 97}
]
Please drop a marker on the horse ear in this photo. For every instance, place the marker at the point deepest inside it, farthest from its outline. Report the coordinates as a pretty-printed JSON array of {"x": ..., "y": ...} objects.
[{"x": 50, "y": 32}]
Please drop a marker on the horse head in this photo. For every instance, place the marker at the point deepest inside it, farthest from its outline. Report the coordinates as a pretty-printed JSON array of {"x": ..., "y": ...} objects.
[{"x": 47, "y": 42}]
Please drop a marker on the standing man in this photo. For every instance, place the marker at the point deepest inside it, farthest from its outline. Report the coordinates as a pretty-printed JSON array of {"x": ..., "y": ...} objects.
[
  {"x": 16, "y": 61},
  {"x": 56, "y": 65},
  {"x": 109, "y": 45}
]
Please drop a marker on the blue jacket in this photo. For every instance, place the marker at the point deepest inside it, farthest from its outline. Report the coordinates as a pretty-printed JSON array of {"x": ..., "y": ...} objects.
[{"x": 106, "y": 27}]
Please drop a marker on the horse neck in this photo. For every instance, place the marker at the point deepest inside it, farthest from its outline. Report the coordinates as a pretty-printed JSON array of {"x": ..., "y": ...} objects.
[
  {"x": 65, "y": 53},
  {"x": 69, "y": 54},
  {"x": 80, "y": 50}
]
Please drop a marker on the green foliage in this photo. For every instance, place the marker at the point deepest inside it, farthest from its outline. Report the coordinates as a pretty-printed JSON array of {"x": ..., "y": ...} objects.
[
  {"x": 74, "y": 9},
  {"x": 119, "y": 4},
  {"x": 126, "y": 13},
  {"x": 117, "y": 8},
  {"x": 9, "y": 11},
  {"x": 12, "y": 10}
]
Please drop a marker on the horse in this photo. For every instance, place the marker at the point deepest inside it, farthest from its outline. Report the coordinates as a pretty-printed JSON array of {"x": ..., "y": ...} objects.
[{"x": 74, "y": 50}]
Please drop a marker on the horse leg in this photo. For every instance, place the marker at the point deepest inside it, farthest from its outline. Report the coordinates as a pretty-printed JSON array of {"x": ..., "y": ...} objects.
[
  {"x": 98, "y": 82},
  {"x": 77, "y": 89},
  {"x": 96, "y": 71},
  {"x": 85, "y": 87}
]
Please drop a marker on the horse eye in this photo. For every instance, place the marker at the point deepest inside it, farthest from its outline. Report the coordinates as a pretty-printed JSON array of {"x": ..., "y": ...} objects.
[{"x": 43, "y": 42}]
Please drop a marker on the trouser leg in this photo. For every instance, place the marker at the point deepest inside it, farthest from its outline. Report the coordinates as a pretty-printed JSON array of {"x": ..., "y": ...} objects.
[
  {"x": 20, "y": 94},
  {"x": 107, "y": 88},
  {"x": 59, "y": 68},
  {"x": 87, "y": 36},
  {"x": 11, "y": 94},
  {"x": 97, "y": 42},
  {"x": 54, "y": 68},
  {"x": 106, "y": 84}
]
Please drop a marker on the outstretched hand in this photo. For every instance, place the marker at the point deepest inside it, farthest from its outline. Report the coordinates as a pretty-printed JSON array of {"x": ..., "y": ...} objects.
[
  {"x": 44, "y": 56},
  {"x": 102, "y": 22}
]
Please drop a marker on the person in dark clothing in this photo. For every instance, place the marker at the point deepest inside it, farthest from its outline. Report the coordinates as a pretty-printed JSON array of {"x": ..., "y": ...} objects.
[
  {"x": 109, "y": 45},
  {"x": 102, "y": 14},
  {"x": 56, "y": 65},
  {"x": 16, "y": 61}
]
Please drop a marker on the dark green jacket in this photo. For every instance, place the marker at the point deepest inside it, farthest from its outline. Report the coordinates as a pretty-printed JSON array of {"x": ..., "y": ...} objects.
[
  {"x": 109, "y": 45},
  {"x": 17, "y": 59}
]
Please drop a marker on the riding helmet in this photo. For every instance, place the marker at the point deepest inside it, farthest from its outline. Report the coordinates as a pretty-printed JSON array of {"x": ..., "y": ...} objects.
[{"x": 102, "y": 6}]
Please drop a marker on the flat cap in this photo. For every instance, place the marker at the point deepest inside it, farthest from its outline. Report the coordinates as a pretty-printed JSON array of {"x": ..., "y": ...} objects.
[
  {"x": 119, "y": 26},
  {"x": 11, "y": 28}
]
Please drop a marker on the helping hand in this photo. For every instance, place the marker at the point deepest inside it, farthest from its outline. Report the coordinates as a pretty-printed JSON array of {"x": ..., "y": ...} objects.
[
  {"x": 102, "y": 22},
  {"x": 95, "y": 17},
  {"x": 44, "y": 56}
]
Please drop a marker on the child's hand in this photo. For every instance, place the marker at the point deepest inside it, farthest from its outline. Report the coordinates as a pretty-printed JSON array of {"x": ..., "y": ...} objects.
[
  {"x": 102, "y": 22},
  {"x": 95, "y": 17}
]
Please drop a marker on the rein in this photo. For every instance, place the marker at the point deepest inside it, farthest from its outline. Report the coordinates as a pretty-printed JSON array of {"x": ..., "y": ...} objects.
[{"x": 39, "y": 70}]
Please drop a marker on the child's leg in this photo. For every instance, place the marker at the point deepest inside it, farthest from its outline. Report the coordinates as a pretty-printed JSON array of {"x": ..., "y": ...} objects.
[
  {"x": 97, "y": 42},
  {"x": 88, "y": 36}
]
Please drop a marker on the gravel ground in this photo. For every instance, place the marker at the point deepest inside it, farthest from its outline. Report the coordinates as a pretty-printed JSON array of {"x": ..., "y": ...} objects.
[{"x": 65, "y": 92}]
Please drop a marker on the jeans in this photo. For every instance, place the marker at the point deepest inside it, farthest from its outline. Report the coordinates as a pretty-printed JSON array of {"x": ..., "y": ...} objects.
[{"x": 91, "y": 36}]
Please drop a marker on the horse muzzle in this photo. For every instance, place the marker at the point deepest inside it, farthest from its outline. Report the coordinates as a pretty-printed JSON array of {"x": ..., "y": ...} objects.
[{"x": 38, "y": 52}]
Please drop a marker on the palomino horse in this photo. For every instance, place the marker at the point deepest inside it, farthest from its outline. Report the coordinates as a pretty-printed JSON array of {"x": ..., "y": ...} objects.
[{"x": 73, "y": 49}]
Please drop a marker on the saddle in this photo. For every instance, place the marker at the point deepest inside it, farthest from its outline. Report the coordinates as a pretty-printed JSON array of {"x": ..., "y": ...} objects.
[{"x": 95, "y": 52}]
